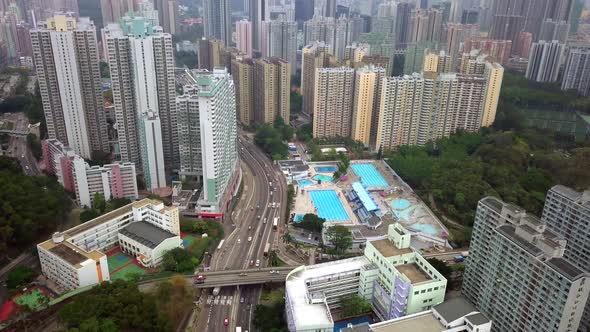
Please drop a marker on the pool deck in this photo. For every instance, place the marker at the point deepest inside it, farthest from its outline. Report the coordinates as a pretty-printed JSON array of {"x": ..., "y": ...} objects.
[{"x": 304, "y": 203}]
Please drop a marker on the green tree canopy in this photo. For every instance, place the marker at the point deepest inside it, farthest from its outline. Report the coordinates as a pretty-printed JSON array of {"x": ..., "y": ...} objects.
[
  {"x": 340, "y": 238},
  {"x": 311, "y": 222},
  {"x": 354, "y": 305}
]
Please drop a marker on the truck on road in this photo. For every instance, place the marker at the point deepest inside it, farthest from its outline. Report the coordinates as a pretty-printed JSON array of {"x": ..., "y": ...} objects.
[{"x": 216, "y": 291}]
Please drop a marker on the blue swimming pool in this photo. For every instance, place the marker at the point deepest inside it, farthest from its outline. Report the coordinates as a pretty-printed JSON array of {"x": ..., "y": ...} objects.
[
  {"x": 323, "y": 178},
  {"x": 400, "y": 204},
  {"x": 304, "y": 183},
  {"x": 325, "y": 169},
  {"x": 369, "y": 175},
  {"x": 404, "y": 214},
  {"x": 354, "y": 321},
  {"x": 328, "y": 205},
  {"x": 425, "y": 228},
  {"x": 298, "y": 218}
]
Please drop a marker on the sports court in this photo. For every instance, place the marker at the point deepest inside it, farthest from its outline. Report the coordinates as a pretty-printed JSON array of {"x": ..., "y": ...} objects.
[
  {"x": 328, "y": 205},
  {"x": 122, "y": 266},
  {"x": 369, "y": 175},
  {"x": 33, "y": 298}
]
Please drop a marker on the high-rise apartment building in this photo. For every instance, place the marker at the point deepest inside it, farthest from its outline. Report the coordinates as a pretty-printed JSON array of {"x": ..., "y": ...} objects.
[
  {"x": 219, "y": 141},
  {"x": 420, "y": 108},
  {"x": 517, "y": 275},
  {"x": 117, "y": 180},
  {"x": 456, "y": 34},
  {"x": 66, "y": 58},
  {"x": 259, "y": 12},
  {"x": 544, "y": 61},
  {"x": 367, "y": 97},
  {"x": 437, "y": 62},
  {"x": 554, "y": 30},
  {"x": 336, "y": 33},
  {"x": 272, "y": 87},
  {"x": 333, "y": 100},
  {"x": 414, "y": 58},
  {"x": 577, "y": 71},
  {"x": 217, "y": 20},
  {"x": 209, "y": 53},
  {"x": 313, "y": 56},
  {"x": 567, "y": 214},
  {"x": 279, "y": 39},
  {"x": 244, "y": 37},
  {"x": 142, "y": 72},
  {"x": 242, "y": 73},
  {"x": 499, "y": 50},
  {"x": 403, "y": 19},
  {"x": 425, "y": 25},
  {"x": 189, "y": 133},
  {"x": 113, "y": 10},
  {"x": 303, "y": 10},
  {"x": 168, "y": 12}
]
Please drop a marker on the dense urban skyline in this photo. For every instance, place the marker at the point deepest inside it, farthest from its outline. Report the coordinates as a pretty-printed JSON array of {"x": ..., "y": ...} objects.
[{"x": 295, "y": 165}]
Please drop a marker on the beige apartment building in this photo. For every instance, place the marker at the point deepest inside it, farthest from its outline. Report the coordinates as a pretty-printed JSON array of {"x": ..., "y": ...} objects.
[
  {"x": 272, "y": 83},
  {"x": 333, "y": 101},
  {"x": 313, "y": 56},
  {"x": 367, "y": 92},
  {"x": 241, "y": 71},
  {"x": 210, "y": 53}
]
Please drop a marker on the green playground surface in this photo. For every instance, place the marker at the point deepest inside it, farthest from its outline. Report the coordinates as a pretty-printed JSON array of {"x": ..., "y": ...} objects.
[
  {"x": 117, "y": 261},
  {"x": 31, "y": 299},
  {"x": 128, "y": 270}
]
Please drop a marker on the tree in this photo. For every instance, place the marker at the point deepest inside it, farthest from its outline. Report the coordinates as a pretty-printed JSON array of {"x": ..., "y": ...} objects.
[
  {"x": 119, "y": 301},
  {"x": 340, "y": 238},
  {"x": 29, "y": 205},
  {"x": 20, "y": 276},
  {"x": 104, "y": 70},
  {"x": 354, "y": 305},
  {"x": 311, "y": 222},
  {"x": 35, "y": 145},
  {"x": 441, "y": 267},
  {"x": 270, "y": 317}
]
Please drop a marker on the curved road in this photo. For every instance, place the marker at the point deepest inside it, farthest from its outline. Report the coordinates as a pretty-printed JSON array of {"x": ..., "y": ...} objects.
[{"x": 246, "y": 242}]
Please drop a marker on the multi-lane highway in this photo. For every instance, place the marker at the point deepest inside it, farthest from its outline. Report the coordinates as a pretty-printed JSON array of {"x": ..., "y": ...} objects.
[{"x": 244, "y": 245}]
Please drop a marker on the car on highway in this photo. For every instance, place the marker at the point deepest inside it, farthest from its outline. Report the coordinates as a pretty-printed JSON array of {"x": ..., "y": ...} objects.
[
  {"x": 251, "y": 263},
  {"x": 249, "y": 239},
  {"x": 258, "y": 217},
  {"x": 250, "y": 227},
  {"x": 225, "y": 321},
  {"x": 258, "y": 263},
  {"x": 242, "y": 300},
  {"x": 200, "y": 279},
  {"x": 258, "y": 206},
  {"x": 264, "y": 221},
  {"x": 239, "y": 241}
]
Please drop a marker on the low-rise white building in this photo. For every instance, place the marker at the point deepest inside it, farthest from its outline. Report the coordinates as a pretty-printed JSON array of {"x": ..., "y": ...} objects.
[
  {"x": 75, "y": 258},
  {"x": 147, "y": 243},
  {"x": 395, "y": 279},
  {"x": 450, "y": 316}
]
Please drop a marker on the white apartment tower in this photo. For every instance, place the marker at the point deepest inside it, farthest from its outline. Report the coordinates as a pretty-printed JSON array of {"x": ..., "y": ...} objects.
[
  {"x": 544, "y": 61},
  {"x": 577, "y": 71},
  {"x": 279, "y": 39},
  {"x": 517, "y": 275},
  {"x": 142, "y": 72},
  {"x": 189, "y": 133},
  {"x": 66, "y": 58},
  {"x": 219, "y": 141}
]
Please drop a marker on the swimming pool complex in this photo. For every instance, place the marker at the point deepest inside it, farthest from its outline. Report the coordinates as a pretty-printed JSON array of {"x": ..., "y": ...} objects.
[
  {"x": 400, "y": 204},
  {"x": 323, "y": 178},
  {"x": 425, "y": 228},
  {"x": 328, "y": 205},
  {"x": 325, "y": 169},
  {"x": 369, "y": 175},
  {"x": 304, "y": 183}
]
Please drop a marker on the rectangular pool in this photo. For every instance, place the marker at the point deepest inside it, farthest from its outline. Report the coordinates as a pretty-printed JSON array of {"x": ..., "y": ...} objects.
[
  {"x": 322, "y": 177},
  {"x": 325, "y": 169},
  {"x": 304, "y": 183},
  {"x": 369, "y": 175},
  {"x": 328, "y": 205},
  {"x": 354, "y": 321}
]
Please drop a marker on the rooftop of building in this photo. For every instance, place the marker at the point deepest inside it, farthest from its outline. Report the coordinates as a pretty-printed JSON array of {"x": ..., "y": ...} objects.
[
  {"x": 455, "y": 308},
  {"x": 413, "y": 272},
  {"x": 582, "y": 198},
  {"x": 388, "y": 249},
  {"x": 421, "y": 322},
  {"x": 146, "y": 233},
  {"x": 306, "y": 314},
  {"x": 70, "y": 253}
]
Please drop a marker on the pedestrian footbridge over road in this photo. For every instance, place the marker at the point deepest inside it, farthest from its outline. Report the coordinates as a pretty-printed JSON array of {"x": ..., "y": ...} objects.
[{"x": 249, "y": 276}]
